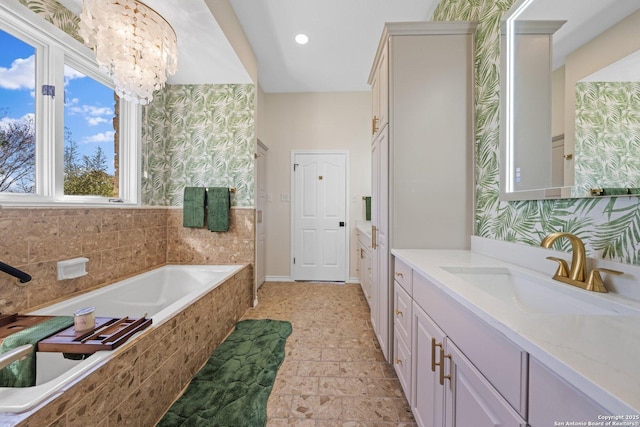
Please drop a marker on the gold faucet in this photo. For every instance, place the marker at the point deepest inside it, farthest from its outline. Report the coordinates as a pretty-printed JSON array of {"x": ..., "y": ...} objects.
[{"x": 575, "y": 276}]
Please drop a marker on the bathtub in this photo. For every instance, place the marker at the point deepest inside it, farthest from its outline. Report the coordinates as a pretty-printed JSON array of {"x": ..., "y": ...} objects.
[{"x": 159, "y": 294}]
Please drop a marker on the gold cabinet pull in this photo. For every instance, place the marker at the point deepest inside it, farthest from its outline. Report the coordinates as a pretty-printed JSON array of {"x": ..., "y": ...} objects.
[
  {"x": 374, "y": 125},
  {"x": 399, "y": 274},
  {"x": 433, "y": 354},
  {"x": 398, "y": 361},
  {"x": 398, "y": 312},
  {"x": 442, "y": 375},
  {"x": 361, "y": 253},
  {"x": 374, "y": 242}
]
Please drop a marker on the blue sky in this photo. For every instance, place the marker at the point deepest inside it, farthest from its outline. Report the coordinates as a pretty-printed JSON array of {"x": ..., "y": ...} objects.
[{"x": 88, "y": 104}]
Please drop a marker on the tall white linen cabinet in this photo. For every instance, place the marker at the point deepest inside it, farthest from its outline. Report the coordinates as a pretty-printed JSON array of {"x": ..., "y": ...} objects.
[{"x": 422, "y": 83}]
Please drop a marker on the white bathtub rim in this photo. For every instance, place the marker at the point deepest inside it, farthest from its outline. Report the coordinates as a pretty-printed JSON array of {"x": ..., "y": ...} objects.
[
  {"x": 23, "y": 399},
  {"x": 19, "y": 400}
]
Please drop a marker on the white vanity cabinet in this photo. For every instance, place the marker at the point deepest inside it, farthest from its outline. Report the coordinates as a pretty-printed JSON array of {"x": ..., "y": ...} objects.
[
  {"x": 402, "y": 315},
  {"x": 422, "y": 83},
  {"x": 364, "y": 264},
  {"x": 552, "y": 399},
  {"x": 463, "y": 373}
]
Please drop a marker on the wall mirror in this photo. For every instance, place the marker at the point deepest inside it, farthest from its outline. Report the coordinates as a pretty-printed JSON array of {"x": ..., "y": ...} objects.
[{"x": 570, "y": 99}]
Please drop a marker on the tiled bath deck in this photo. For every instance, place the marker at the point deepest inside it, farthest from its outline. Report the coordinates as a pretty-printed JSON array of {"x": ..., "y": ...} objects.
[{"x": 334, "y": 373}]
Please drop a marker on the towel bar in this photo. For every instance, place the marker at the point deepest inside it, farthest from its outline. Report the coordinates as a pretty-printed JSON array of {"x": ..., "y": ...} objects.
[{"x": 231, "y": 190}]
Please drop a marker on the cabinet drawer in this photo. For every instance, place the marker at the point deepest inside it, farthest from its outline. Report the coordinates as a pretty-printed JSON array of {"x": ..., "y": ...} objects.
[
  {"x": 552, "y": 399},
  {"x": 402, "y": 274},
  {"x": 402, "y": 363},
  {"x": 402, "y": 307},
  {"x": 501, "y": 362}
]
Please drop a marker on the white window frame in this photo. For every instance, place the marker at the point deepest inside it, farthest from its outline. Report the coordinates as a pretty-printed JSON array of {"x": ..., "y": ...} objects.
[{"x": 54, "y": 48}]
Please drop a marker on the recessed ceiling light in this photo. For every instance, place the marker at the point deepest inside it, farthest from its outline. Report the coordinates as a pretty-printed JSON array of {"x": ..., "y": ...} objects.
[{"x": 302, "y": 39}]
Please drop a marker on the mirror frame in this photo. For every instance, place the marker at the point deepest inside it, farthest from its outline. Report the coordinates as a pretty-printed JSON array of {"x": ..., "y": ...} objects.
[{"x": 507, "y": 71}]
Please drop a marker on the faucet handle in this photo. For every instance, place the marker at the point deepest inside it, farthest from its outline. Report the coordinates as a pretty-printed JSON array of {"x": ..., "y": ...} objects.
[
  {"x": 563, "y": 267},
  {"x": 595, "y": 283}
]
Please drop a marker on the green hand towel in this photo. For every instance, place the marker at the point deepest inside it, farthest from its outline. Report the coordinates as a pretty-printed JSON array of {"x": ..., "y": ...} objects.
[
  {"x": 614, "y": 191},
  {"x": 367, "y": 203},
  {"x": 193, "y": 207},
  {"x": 218, "y": 204},
  {"x": 23, "y": 373}
]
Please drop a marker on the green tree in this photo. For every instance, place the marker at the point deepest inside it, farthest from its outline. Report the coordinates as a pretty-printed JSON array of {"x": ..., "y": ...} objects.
[{"x": 86, "y": 177}]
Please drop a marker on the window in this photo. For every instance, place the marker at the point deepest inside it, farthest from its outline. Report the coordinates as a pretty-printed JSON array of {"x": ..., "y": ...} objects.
[{"x": 65, "y": 137}]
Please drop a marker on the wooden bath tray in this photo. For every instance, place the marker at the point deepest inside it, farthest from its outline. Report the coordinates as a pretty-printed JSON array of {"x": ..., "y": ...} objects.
[
  {"x": 108, "y": 334},
  {"x": 11, "y": 323}
]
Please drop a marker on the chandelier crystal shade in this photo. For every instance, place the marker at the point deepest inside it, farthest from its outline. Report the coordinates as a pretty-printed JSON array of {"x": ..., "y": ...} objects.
[{"x": 133, "y": 44}]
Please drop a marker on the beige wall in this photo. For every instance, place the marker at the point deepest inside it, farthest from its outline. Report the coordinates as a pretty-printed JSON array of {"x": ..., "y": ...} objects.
[{"x": 313, "y": 121}]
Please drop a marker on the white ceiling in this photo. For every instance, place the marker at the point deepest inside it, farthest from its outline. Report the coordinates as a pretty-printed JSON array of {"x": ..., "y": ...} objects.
[
  {"x": 344, "y": 35},
  {"x": 583, "y": 23},
  {"x": 343, "y": 39}
]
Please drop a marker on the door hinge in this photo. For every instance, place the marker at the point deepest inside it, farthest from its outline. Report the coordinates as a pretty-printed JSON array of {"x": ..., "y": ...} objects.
[{"x": 294, "y": 260}]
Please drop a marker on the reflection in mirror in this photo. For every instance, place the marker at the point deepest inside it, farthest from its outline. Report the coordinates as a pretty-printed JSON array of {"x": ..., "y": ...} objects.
[{"x": 570, "y": 119}]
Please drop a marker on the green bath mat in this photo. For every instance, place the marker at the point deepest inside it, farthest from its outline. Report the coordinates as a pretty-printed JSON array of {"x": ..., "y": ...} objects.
[{"x": 233, "y": 387}]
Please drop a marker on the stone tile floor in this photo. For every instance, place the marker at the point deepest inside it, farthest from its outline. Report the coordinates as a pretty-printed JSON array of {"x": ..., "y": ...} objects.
[{"x": 334, "y": 373}]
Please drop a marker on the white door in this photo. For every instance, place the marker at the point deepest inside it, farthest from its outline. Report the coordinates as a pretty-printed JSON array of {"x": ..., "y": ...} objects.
[
  {"x": 261, "y": 176},
  {"x": 319, "y": 216}
]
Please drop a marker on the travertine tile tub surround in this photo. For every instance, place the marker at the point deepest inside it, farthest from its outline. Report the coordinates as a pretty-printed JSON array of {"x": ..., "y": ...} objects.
[
  {"x": 119, "y": 242},
  {"x": 138, "y": 386}
]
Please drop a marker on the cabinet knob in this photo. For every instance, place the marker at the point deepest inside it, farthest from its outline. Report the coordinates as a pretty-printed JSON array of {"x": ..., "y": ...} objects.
[
  {"x": 399, "y": 274},
  {"x": 398, "y": 361},
  {"x": 398, "y": 312}
]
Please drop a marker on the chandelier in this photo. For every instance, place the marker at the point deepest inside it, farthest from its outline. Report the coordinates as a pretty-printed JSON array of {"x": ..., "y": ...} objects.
[{"x": 133, "y": 44}]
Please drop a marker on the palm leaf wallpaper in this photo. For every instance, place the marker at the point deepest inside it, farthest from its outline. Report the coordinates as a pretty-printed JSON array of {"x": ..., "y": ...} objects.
[
  {"x": 198, "y": 136},
  {"x": 610, "y": 227},
  {"x": 607, "y": 135}
]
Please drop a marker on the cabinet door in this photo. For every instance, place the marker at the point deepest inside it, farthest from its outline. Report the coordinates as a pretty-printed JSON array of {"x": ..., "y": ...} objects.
[
  {"x": 551, "y": 399},
  {"x": 470, "y": 398},
  {"x": 380, "y": 94},
  {"x": 383, "y": 89},
  {"x": 362, "y": 268},
  {"x": 427, "y": 395},
  {"x": 380, "y": 259}
]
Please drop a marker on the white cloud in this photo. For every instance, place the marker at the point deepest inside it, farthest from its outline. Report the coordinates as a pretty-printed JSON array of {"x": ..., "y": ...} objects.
[
  {"x": 93, "y": 115},
  {"x": 100, "y": 137},
  {"x": 71, "y": 73},
  {"x": 6, "y": 121},
  {"x": 21, "y": 74}
]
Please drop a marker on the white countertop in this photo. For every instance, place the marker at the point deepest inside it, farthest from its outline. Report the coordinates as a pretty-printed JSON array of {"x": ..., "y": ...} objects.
[{"x": 598, "y": 354}]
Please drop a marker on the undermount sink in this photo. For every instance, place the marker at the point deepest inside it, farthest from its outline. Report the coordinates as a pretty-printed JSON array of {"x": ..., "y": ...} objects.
[{"x": 533, "y": 294}]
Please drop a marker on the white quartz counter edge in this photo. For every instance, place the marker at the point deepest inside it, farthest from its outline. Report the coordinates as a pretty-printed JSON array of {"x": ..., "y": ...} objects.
[{"x": 598, "y": 354}]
